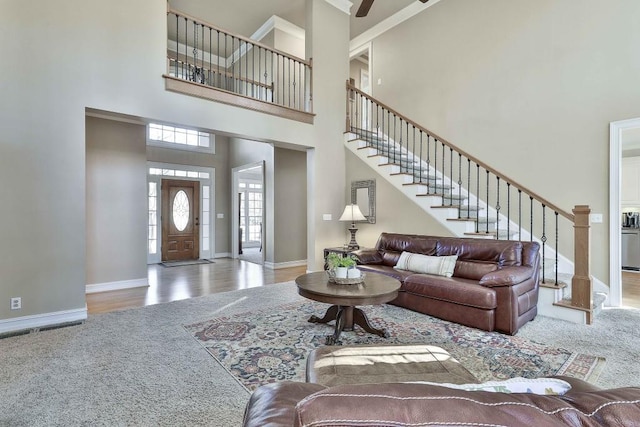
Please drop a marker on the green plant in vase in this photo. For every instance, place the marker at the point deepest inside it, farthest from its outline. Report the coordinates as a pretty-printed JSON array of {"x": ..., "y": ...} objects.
[{"x": 340, "y": 264}]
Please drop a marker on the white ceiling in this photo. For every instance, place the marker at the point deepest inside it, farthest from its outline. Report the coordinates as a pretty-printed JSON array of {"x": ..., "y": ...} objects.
[{"x": 244, "y": 17}]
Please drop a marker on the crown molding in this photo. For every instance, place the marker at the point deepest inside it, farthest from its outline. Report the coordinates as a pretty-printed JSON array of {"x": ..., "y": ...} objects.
[
  {"x": 395, "y": 19},
  {"x": 343, "y": 5},
  {"x": 275, "y": 22}
]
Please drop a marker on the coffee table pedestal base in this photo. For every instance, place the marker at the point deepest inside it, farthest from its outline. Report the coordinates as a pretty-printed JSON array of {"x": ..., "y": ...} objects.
[{"x": 346, "y": 316}]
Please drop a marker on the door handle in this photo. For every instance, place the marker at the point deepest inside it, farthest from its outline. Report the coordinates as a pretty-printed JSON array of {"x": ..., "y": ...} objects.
[{"x": 197, "y": 221}]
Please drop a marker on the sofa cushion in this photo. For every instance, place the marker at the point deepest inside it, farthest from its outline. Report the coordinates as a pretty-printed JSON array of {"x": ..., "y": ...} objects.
[
  {"x": 501, "y": 252},
  {"x": 394, "y": 244},
  {"x": 418, "y": 263},
  {"x": 451, "y": 289}
]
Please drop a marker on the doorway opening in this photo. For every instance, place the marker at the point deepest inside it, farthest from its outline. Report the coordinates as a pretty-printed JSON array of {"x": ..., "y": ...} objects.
[
  {"x": 624, "y": 142},
  {"x": 249, "y": 213}
]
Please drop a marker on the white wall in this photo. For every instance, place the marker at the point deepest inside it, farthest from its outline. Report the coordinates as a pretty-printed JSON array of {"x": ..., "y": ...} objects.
[
  {"x": 529, "y": 87},
  {"x": 327, "y": 41}
]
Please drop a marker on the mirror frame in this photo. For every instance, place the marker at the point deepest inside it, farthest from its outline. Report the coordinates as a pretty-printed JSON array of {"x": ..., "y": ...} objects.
[{"x": 370, "y": 184}]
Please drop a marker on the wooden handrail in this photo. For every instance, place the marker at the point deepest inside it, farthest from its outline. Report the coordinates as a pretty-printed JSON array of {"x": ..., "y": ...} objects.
[
  {"x": 474, "y": 159},
  {"x": 238, "y": 36}
]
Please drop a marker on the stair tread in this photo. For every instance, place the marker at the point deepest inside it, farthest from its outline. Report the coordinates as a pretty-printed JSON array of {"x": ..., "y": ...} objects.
[
  {"x": 551, "y": 285},
  {"x": 480, "y": 220},
  {"x": 502, "y": 233},
  {"x": 445, "y": 196},
  {"x": 460, "y": 207},
  {"x": 431, "y": 177},
  {"x": 439, "y": 186}
]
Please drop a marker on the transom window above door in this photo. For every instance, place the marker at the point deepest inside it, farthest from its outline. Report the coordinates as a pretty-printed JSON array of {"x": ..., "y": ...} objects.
[{"x": 180, "y": 138}]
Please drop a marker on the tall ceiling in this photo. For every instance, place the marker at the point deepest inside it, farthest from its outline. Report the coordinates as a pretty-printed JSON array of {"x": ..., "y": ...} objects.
[{"x": 244, "y": 17}]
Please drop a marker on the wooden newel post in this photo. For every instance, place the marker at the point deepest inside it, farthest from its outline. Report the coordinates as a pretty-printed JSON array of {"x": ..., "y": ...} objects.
[{"x": 581, "y": 285}]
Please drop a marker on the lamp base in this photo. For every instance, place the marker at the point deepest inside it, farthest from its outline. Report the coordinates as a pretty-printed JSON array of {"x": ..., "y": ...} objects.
[{"x": 353, "y": 244}]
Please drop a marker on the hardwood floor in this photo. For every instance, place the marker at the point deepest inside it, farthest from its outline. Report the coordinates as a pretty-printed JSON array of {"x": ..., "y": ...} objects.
[
  {"x": 175, "y": 283},
  {"x": 631, "y": 289}
]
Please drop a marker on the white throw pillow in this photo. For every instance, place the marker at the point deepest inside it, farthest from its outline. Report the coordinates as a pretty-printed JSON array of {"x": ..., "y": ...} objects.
[
  {"x": 437, "y": 265},
  {"x": 545, "y": 386}
]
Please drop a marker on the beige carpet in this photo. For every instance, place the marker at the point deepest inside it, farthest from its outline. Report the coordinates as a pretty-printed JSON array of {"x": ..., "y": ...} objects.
[{"x": 141, "y": 367}]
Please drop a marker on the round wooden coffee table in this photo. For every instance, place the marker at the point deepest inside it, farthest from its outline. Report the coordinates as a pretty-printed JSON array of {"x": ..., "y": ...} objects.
[{"x": 376, "y": 289}]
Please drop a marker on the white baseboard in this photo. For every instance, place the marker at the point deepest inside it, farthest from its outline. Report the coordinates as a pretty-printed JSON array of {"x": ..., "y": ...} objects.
[
  {"x": 116, "y": 286},
  {"x": 40, "y": 320},
  {"x": 279, "y": 265},
  {"x": 223, "y": 255}
]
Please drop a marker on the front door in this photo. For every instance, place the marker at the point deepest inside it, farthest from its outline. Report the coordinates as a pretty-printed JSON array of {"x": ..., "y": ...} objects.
[{"x": 180, "y": 220}]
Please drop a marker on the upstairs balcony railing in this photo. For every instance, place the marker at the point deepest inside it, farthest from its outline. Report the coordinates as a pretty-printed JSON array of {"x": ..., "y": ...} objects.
[
  {"x": 500, "y": 207},
  {"x": 204, "y": 54}
]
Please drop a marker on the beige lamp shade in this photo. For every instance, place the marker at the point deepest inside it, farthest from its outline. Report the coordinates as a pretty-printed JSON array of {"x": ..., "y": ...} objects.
[{"x": 352, "y": 213}]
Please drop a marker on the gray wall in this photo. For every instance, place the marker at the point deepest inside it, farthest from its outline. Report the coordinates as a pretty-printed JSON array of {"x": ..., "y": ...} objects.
[
  {"x": 290, "y": 205},
  {"x": 116, "y": 201},
  {"x": 529, "y": 87}
]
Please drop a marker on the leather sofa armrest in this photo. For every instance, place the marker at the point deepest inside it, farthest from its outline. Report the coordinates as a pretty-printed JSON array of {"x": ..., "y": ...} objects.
[
  {"x": 368, "y": 256},
  {"x": 274, "y": 404},
  {"x": 507, "y": 276}
]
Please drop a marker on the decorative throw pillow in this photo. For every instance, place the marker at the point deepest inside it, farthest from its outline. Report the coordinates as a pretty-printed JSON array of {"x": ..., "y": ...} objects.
[
  {"x": 436, "y": 265},
  {"x": 545, "y": 386}
]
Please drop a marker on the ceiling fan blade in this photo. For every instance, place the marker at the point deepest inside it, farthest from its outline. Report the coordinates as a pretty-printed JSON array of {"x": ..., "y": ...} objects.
[{"x": 364, "y": 8}]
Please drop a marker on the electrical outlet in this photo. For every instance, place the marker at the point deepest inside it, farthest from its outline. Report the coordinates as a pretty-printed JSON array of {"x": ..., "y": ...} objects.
[{"x": 16, "y": 303}]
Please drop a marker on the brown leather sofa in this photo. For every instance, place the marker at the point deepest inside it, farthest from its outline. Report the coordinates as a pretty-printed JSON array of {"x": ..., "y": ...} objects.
[
  {"x": 396, "y": 404},
  {"x": 494, "y": 284}
]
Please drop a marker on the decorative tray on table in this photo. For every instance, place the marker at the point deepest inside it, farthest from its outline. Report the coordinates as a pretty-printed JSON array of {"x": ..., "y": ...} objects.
[{"x": 346, "y": 280}]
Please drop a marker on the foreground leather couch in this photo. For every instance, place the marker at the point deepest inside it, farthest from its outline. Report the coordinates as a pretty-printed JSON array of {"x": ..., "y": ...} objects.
[
  {"x": 494, "y": 285},
  {"x": 396, "y": 404}
]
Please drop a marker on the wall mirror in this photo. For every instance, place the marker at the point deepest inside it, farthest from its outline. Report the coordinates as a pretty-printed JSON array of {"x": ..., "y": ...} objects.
[{"x": 363, "y": 194}]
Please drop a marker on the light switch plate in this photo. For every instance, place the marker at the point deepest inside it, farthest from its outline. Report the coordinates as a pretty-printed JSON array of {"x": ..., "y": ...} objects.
[
  {"x": 596, "y": 218},
  {"x": 220, "y": 216},
  {"x": 326, "y": 217}
]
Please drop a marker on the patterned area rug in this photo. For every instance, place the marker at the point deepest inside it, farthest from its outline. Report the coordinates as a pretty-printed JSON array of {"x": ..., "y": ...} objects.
[{"x": 269, "y": 346}]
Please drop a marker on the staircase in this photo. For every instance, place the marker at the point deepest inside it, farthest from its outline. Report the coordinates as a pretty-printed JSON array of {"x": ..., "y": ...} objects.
[{"x": 471, "y": 199}]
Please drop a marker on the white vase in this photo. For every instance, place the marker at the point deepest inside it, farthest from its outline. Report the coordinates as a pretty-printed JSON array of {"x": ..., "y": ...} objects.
[
  {"x": 341, "y": 272},
  {"x": 353, "y": 273}
]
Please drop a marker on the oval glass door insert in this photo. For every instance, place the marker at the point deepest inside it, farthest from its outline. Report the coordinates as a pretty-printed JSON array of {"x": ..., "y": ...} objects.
[{"x": 181, "y": 210}]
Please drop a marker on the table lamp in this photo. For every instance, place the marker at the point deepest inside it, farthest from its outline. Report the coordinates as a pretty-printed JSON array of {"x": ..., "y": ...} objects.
[{"x": 352, "y": 213}]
